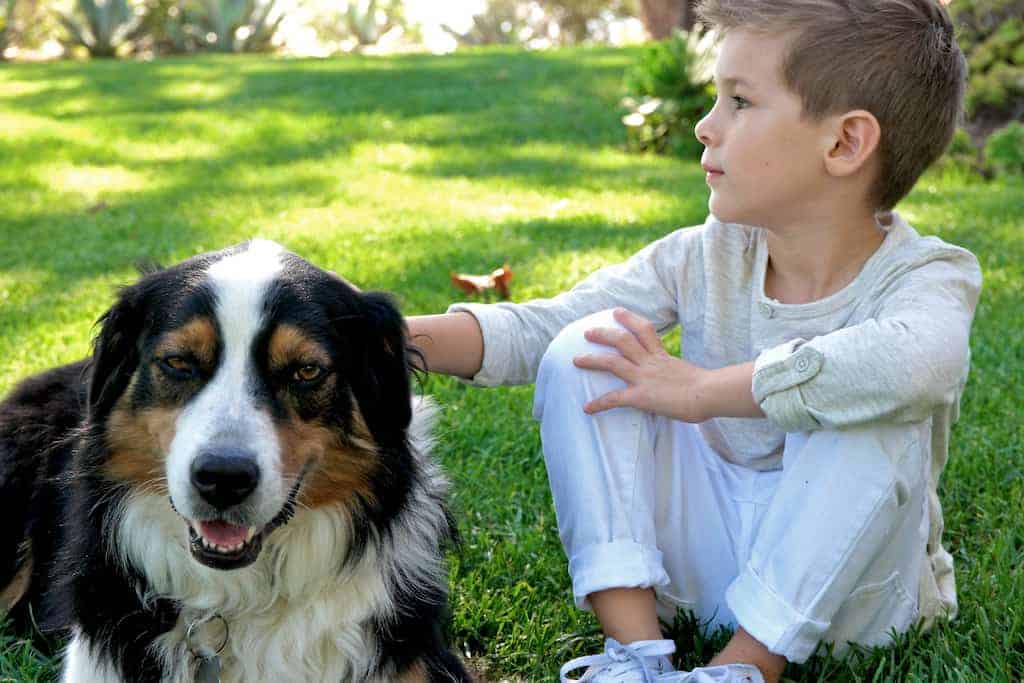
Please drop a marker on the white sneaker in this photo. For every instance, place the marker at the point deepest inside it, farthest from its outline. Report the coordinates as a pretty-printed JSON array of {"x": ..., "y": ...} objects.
[
  {"x": 728, "y": 673},
  {"x": 642, "y": 661}
]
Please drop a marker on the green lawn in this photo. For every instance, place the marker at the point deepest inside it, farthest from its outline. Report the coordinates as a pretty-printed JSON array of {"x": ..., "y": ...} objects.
[{"x": 393, "y": 171}]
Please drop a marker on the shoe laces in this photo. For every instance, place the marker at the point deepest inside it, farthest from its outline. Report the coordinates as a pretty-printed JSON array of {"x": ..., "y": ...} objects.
[{"x": 631, "y": 658}]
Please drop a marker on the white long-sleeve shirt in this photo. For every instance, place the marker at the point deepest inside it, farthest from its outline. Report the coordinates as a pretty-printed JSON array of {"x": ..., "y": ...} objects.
[{"x": 890, "y": 346}]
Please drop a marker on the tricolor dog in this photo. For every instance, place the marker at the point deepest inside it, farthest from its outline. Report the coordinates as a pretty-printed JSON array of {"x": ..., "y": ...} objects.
[{"x": 236, "y": 486}]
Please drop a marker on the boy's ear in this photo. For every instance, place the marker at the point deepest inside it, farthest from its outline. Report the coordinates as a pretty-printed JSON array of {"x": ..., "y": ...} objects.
[{"x": 854, "y": 140}]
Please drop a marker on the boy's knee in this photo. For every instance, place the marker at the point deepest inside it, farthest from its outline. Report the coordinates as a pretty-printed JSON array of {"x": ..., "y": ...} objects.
[
  {"x": 558, "y": 374},
  {"x": 570, "y": 342}
]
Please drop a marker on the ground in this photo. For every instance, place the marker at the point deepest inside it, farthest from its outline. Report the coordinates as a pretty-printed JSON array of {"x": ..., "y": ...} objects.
[{"x": 395, "y": 171}]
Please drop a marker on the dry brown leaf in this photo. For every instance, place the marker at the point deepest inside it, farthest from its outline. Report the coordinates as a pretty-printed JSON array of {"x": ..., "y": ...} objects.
[{"x": 476, "y": 285}]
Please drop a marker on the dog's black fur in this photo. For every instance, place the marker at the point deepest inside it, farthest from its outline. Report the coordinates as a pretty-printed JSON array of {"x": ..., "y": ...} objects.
[{"x": 59, "y": 502}]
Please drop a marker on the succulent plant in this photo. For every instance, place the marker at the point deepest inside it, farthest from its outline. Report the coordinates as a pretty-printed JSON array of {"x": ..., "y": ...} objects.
[
  {"x": 102, "y": 26},
  {"x": 230, "y": 25}
]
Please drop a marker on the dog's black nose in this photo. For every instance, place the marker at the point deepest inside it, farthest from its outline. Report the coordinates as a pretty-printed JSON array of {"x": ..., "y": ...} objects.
[{"x": 225, "y": 476}]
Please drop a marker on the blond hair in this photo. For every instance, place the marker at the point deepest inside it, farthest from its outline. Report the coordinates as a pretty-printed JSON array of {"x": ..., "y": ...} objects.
[{"x": 897, "y": 59}]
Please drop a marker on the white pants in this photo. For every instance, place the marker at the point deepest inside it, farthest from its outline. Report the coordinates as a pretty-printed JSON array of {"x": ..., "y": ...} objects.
[{"x": 829, "y": 548}]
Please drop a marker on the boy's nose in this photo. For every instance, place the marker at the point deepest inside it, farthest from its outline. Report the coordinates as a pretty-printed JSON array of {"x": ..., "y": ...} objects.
[{"x": 703, "y": 130}]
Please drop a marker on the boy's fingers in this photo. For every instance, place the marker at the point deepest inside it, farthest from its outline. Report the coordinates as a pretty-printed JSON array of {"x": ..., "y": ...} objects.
[
  {"x": 641, "y": 327},
  {"x": 609, "y": 362},
  {"x": 613, "y": 399},
  {"x": 623, "y": 340}
]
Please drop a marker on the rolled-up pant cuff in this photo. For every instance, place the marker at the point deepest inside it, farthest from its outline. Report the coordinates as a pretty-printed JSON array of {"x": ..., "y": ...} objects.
[
  {"x": 616, "y": 564},
  {"x": 771, "y": 620}
]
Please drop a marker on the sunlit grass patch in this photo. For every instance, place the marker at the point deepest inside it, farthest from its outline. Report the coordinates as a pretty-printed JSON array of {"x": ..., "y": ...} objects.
[{"x": 394, "y": 172}]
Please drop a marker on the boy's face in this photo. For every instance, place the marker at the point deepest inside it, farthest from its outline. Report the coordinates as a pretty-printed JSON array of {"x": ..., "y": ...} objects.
[{"x": 771, "y": 161}]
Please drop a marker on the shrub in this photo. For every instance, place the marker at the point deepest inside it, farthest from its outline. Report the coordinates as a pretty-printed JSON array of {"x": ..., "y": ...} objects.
[
  {"x": 991, "y": 33},
  {"x": 962, "y": 157},
  {"x": 1004, "y": 150},
  {"x": 669, "y": 90},
  {"x": 6, "y": 21}
]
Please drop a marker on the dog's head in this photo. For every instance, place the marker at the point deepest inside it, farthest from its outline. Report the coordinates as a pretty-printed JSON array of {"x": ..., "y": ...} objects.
[{"x": 246, "y": 384}]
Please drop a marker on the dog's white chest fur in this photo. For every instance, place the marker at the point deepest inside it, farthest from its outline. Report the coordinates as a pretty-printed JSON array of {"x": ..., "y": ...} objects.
[
  {"x": 302, "y": 611},
  {"x": 314, "y": 640},
  {"x": 297, "y": 613}
]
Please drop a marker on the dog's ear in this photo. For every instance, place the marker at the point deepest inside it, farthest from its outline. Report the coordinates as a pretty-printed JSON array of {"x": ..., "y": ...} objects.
[
  {"x": 382, "y": 385},
  {"x": 115, "y": 351}
]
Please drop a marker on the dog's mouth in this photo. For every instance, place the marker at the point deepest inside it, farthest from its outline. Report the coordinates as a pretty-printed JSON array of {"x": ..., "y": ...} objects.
[{"x": 222, "y": 545}]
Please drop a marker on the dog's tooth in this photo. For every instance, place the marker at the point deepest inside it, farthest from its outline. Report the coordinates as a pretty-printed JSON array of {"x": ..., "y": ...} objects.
[{"x": 249, "y": 534}]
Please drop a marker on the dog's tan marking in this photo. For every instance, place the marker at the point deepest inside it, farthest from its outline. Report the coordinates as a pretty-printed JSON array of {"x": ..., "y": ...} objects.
[
  {"x": 339, "y": 472},
  {"x": 138, "y": 441},
  {"x": 198, "y": 336},
  {"x": 417, "y": 673},
  {"x": 16, "y": 589},
  {"x": 289, "y": 345},
  {"x": 140, "y": 438},
  {"x": 361, "y": 436}
]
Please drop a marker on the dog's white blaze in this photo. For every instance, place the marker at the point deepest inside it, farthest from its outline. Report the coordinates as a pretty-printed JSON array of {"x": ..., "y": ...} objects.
[
  {"x": 224, "y": 411},
  {"x": 296, "y": 614}
]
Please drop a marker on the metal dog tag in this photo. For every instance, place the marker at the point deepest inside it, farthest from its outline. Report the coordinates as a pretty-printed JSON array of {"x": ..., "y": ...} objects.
[
  {"x": 209, "y": 670},
  {"x": 209, "y": 664}
]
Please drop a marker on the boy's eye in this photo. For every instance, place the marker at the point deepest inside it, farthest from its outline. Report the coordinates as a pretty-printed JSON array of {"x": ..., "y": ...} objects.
[{"x": 740, "y": 102}]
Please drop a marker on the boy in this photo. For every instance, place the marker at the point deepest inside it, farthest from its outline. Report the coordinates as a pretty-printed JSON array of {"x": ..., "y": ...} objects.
[{"x": 782, "y": 478}]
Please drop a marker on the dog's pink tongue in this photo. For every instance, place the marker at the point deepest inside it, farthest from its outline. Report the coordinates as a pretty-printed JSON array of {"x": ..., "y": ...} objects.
[{"x": 223, "y": 533}]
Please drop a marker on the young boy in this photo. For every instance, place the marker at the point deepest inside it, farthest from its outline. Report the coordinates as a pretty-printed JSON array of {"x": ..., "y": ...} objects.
[{"x": 782, "y": 478}]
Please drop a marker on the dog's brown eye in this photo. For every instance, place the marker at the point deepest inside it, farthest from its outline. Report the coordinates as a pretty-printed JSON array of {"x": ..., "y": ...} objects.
[
  {"x": 308, "y": 373},
  {"x": 178, "y": 367},
  {"x": 178, "y": 363}
]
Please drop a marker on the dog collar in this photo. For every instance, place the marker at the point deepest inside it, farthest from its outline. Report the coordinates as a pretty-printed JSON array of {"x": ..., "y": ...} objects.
[{"x": 208, "y": 660}]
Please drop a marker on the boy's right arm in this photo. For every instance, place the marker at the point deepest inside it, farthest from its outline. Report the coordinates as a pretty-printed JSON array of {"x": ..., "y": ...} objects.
[
  {"x": 650, "y": 283},
  {"x": 451, "y": 343}
]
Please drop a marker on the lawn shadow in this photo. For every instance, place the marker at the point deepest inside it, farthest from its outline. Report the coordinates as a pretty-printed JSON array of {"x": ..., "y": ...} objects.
[{"x": 509, "y": 96}]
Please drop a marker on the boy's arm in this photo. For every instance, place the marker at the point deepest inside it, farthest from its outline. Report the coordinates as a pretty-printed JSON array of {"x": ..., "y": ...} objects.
[
  {"x": 660, "y": 383},
  {"x": 899, "y": 365},
  {"x": 503, "y": 343},
  {"x": 451, "y": 343}
]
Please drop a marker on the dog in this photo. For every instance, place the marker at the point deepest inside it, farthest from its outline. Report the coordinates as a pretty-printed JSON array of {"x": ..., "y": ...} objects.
[{"x": 236, "y": 486}]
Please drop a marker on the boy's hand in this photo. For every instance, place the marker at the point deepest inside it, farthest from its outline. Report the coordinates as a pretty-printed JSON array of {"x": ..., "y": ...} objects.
[{"x": 658, "y": 382}]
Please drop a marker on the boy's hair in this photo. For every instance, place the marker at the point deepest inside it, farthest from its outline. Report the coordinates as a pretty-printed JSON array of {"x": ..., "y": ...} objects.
[{"x": 897, "y": 59}]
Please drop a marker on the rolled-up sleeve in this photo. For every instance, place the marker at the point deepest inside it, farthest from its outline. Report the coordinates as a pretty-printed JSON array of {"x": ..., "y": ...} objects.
[
  {"x": 650, "y": 283},
  {"x": 910, "y": 357}
]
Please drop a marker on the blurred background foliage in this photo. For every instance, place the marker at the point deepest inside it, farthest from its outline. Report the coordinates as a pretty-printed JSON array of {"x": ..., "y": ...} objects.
[{"x": 663, "y": 95}]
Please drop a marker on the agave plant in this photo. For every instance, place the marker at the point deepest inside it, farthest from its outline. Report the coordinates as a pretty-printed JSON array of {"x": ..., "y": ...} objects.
[
  {"x": 500, "y": 23},
  {"x": 102, "y": 26},
  {"x": 224, "y": 25}
]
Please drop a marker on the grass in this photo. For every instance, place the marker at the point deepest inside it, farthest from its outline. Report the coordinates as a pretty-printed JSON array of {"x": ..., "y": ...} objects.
[{"x": 394, "y": 171}]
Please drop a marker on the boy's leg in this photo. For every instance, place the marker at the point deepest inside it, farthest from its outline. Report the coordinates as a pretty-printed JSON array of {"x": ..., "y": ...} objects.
[
  {"x": 642, "y": 502},
  {"x": 601, "y": 472},
  {"x": 838, "y": 553}
]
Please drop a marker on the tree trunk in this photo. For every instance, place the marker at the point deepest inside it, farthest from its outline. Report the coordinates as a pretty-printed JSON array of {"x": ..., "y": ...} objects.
[
  {"x": 661, "y": 17},
  {"x": 689, "y": 14}
]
